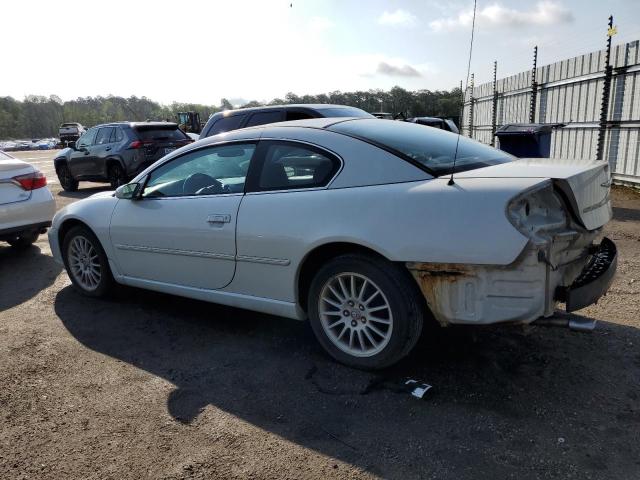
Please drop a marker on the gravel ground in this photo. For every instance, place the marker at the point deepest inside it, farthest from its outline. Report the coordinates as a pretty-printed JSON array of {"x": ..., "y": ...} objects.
[{"x": 152, "y": 386}]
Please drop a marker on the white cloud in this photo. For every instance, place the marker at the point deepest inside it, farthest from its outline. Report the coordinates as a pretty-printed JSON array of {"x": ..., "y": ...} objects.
[
  {"x": 405, "y": 70},
  {"x": 399, "y": 18},
  {"x": 544, "y": 13}
]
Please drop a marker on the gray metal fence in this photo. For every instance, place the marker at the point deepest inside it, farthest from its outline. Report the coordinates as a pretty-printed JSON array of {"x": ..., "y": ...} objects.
[{"x": 570, "y": 92}]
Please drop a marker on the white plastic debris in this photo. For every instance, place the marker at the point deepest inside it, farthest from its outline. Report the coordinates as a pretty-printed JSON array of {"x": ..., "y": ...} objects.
[{"x": 419, "y": 389}]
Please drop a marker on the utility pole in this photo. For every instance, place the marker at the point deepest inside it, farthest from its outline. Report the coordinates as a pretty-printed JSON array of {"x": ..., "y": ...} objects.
[
  {"x": 534, "y": 87},
  {"x": 606, "y": 89},
  {"x": 471, "y": 109},
  {"x": 494, "y": 109}
]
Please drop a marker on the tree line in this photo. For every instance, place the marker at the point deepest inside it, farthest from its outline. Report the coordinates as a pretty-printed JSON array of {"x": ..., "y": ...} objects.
[{"x": 39, "y": 116}]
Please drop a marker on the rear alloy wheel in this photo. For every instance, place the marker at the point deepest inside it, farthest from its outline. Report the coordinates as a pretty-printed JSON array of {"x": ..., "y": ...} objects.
[
  {"x": 24, "y": 240},
  {"x": 116, "y": 175},
  {"x": 68, "y": 183},
  {"x": 365, "y": 311},
  {"x": 86, "y": 262}
]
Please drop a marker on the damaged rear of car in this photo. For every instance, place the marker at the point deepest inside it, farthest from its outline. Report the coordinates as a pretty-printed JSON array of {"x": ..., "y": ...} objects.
[
  {"x": 560, "y": 213},
  {"x": 566, "y": 258}
]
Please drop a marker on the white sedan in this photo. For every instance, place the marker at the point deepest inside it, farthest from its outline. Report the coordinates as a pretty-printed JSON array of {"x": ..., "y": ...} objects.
[
  {"x": 26, "y": 204},
  {"x": 355, "y": 225}
]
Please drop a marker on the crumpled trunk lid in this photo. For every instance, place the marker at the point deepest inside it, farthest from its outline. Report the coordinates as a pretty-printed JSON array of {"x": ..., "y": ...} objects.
[{"x": 585, "y": 185}]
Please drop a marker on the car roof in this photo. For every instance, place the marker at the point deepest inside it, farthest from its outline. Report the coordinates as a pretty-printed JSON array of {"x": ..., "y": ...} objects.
[
  {"x": 138, "y": 124},
  {"x": 310, "y": 106}
]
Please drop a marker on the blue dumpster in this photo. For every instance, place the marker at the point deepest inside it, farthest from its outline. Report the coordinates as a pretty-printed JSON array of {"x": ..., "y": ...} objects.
[{"x": 527, "y": 140}]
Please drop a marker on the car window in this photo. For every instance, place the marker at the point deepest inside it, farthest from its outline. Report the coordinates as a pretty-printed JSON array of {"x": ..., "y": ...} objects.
[
  {"x": 344, "y": 112},
  {"x": 261, "y": 118},
  {"x": 299, "y": 115},
  {"x": 290, "y": 165},
  {"x": 210, "y": 171},
  {"x": 104, "y": 135},
  {"x": 88, "y": 137},
  {"x": 226, "y": 124},
  {"x": 150, "y": 133},
  {"x": 432, "y": 149},
  {"x": 117, "y": 135}
]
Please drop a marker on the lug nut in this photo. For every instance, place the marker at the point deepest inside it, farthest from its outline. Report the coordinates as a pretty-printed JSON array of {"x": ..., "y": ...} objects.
[
  {"x": 364, "y": 320},
  {"x": 351, "y": 303},
  {"x": 361, "y": 307},
  {"x": 346, "y": 313},
  {"x": 354, "y": 323}
]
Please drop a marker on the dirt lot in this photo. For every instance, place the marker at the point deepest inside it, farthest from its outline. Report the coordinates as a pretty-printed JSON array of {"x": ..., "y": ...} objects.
[{"x": 152, "y": 386}]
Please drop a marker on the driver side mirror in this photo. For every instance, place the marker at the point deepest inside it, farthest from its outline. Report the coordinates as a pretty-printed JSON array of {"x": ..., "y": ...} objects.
[{"x": 130, "y": 191}]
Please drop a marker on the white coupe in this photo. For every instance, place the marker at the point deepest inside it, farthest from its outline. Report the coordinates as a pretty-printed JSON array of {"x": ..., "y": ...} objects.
[{"x": 355, "y": 225}]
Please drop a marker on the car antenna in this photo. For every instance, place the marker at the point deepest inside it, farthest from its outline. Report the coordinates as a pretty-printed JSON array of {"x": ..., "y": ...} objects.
[{"x": 473, "y": 28}]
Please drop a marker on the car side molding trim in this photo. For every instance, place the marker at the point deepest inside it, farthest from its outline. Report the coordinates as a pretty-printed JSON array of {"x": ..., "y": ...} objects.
[
  {"x": 195, "y": 253},
  {"x": 269, "y": 261},
  {"x": 175, "y": 251}
]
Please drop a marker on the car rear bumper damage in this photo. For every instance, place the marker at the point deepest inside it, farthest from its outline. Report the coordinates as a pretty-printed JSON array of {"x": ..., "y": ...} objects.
[
  {"x": 528, "y": 289},
  {"x": 594, "y": 280}
]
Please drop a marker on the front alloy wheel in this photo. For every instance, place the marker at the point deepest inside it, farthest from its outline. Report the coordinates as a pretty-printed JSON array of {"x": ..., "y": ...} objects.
[{"x": 86, "y": 262}]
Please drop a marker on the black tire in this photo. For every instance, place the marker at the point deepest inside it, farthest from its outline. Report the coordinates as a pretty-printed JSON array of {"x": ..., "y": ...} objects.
[
  {"x": 116, "y": 175},
  {"x": 106, "y": 283},
  {"x": 24, "y": 240},
  {"x": 402, "y": 296},
  {"x": 68, "y": 183}
]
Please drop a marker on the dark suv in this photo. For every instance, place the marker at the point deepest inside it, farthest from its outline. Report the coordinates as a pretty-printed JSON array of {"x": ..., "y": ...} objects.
[
  {"x": 116, "y": 152},
  {"x": 250, "y": 117}
]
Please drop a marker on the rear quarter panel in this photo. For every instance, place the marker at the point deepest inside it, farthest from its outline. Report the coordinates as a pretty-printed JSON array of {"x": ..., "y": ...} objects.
[{"x": 420, "y": 221}]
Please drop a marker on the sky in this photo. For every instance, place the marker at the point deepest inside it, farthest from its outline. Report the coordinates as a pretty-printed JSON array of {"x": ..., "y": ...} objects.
[{"x": 203, "y": 50}]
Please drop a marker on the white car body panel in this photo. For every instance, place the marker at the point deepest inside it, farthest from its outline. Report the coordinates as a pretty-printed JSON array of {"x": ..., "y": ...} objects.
[
  {"x": 192, "y": 249},
  {"x": 470, "y": 261},
  {"x": 19, "y": 207}
]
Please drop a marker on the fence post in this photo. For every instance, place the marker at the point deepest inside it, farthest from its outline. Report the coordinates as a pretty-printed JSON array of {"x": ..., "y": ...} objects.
[
  {"x": 461, "y": 118},
  {"x": 606, "y": 89},
  {"x": 471, "y": 109},
  {"x": 494, "y": 111},
  {"x": 534, "y": 87}
]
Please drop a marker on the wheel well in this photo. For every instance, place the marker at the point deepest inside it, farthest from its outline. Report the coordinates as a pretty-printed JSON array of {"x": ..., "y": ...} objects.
[
  {"x": 316, "y": 258},
  {"x": 113, "y": 161},
  {"x": 59, "y": 161},
  {"x": 68, "y": 225}
]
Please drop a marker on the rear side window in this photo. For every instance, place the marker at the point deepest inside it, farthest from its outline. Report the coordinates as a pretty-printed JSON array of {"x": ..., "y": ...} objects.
[
  {"x": 118, "y": 135},
  {"x": 160, "y": 134},
  {"x": 261, "y": 118},
  {"x": 226, "y": 124},
  {"x": 104, "y": 135},
  {"x": 299, "y": 115},
  {"x": 291, "y": 165},
  {"x": 344, "y": 112}
]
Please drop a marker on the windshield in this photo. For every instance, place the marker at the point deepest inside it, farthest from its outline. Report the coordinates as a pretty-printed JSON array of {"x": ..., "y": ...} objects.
[
  {"x": 431, "y": 148},
  {"x": 344, "y": 112}
]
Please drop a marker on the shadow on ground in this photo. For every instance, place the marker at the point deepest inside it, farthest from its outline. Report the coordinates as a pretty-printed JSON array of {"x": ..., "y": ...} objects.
[
  {"x": 84, "y": 192},
  {"x": 24, "y": 273},
  {"x": 505, "y": 401}
]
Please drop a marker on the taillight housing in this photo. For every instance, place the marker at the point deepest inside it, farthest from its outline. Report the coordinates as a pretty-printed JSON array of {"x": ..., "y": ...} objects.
[
  {"x": 139, "y": 144},
  {"x": 537, "y": 213},
  {"x": 30, "y": 181}
]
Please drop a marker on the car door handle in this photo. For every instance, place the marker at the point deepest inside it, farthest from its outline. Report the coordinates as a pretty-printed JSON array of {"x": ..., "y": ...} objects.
[
  {"x": 108, "y": 148},
  {"x": 217, "y": 218}
]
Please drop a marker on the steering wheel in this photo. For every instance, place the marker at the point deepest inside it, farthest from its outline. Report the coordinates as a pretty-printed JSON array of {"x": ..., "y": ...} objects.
[{"x": 196, "y": 183}]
